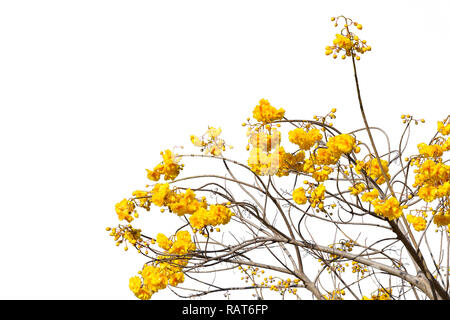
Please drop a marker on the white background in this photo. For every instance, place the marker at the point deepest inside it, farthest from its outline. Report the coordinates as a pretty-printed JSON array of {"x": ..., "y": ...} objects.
[{"x": 91, "y": 91}]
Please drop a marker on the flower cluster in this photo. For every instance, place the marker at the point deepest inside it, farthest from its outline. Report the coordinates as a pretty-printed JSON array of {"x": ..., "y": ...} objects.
[
  {"x": 169, "y": 167},
  {"x": 128, "y": 234},
  {"x": 305, "y": 139},
  {"x": 210, "y": 143},
  {"x": 264, "y": 112},
  {"x": 370, "y": 196},
  {"x": 299, "y": 196},
  {"x": 357, "y": 189},
  {"x": 444, "y": 126},
  {"x": 346, "y": 41},
  {"x": 266, "y": 156},
  {"x": 335, "y": 295},
  {"x": 264, "y": 140},
  {"x": 167, "y": 270},
  {"x": 381, "y": 294},
  {"x": 215, "y": 215},
  {"x": 419, "y": 223},
  {"x": 388, "y": 208},
  {"x": 124, "y": 209},
  {"x": 317, "y": 195},
  {"x": 442, "y": 219},
  {"x": 432, "y": 175},
  {"x": 373, "y": 170}
]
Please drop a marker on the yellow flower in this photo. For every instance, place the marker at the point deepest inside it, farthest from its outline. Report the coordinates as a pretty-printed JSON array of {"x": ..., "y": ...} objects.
[
  {"x": 266, "y": 113},
  {"x": 442, "y": 219},
  {"x": 430, "y": 151},
  {"x": 299, "y": 196},
  {"x": 159, "y": 194},
  {"x": 305, "y": 139},
  {"x": 317, "y": 196},
  {"x": 389, "y": 208},
  {"x": 357, "y": 189},
  {"x": 343, "y": 143},
  {"x": 370, "y": 196},
  {"x": 443, "y": 129},
  {"x": 182, "y": 244},
  {"x": 154, "y": 278},
  {"x": 325, "y": 156},
  {"x": 163, "y": 242},
  {"x": 348, "y": 42},
  {"x": 176, "y": 278},
  {"x": 418, "y": 223},
  {"x": 144, "y": 294},
  {"x": 264, "y": 140},
  {"x": 135, "y": 284},
  {"x": 343, "y": 42},
  {"x": 196, "y": 141},
  {"x": 372, "y": 168},
  {"x": 123, "y": 210},
  {"x": 142, "y": 197},
  {"x": 428, "y": 193},
  {"x": 321, "y": 175},
  {"x": 169, "y": 167}
]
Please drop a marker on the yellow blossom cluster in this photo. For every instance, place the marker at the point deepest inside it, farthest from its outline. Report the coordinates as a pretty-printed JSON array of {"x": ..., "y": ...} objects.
[
  {"x": 317, "y": 195},
  {"x": 163, "y": 242},
  {"x": 128, "y": 234},
  {"x": 419, "y": 223},
  {"x": 142, "y": 198},
  {"x": 388, "y": 208},
  {"x": 276, "y": 284},
  {"x": 432, "y": 176},
  {"x": 335, "y": 295},
  {"x": 336, "y": 147},
  {"x": 215, "y": 215},
  {"x": 180, "y": 203},
  {"x": 264, "y": 112},
  {"x": 263, "y": 162},
  {"x": 321, "y": 174},
  {"x": 324, "y": 156},
  {"x": 430, "y": 151},
  {"x": 433, "y": 179},
  {"x": 124, "y": 209},
  {"x": 291, "y": 162},
  {"x": 373, "y": 170},
  {"x": 267, "y": 157},
  {"x": 359, "y": 269},
  {"x": 381, "y": 294},
  {"x": 159, "y": 193},
  {"x": 299, "y": 196},
  {"x": 370, "y": 196},
  {"x": 444, "y": 126},
  {"x": 442, "y": 218},
  {"x": 357, "y": 189},
  {"x": 186, "y": 203},
  {"x": 347, "y": 41},
  {"x": 264, "y": 140},
  {"x": 168, "y": 270},
  {"x": 340, "y": 144},
  {"x": 210, "y": 143},
  {"x": 169, "y": 167},
  {"x": 305, "y": 139}
]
